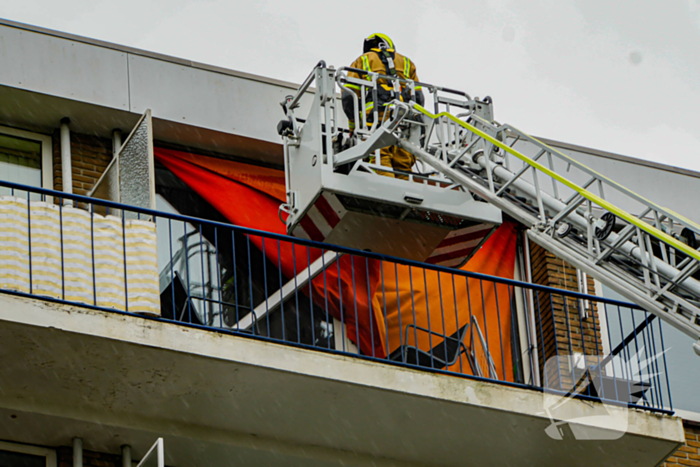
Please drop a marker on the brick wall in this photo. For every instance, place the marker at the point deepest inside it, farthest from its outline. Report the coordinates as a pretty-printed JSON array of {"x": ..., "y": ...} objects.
[
  {"x": 64, "y": 458},
  {"x": 563, "y": 330},
  {"x": 90, "y": 156},
  {"x": 689, "y": 453}
]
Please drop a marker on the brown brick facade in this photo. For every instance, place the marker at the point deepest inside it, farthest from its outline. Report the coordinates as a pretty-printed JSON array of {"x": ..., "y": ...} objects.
[
  {"x": 689, "y": 453},
  {"x": 563, "y": 330},
  {"x": 64, "y": 458},
  {"x": 90, "y": 156}
]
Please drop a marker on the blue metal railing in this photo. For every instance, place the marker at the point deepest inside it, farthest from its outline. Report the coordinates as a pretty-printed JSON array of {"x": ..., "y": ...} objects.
[{"x": 268, "y": 286}]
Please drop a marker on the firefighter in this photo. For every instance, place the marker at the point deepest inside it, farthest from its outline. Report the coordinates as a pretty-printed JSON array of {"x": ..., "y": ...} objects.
[{"x": 380, "y": 56}]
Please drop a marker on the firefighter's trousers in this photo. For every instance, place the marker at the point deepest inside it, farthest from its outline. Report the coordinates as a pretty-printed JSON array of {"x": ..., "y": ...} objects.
[{"x": 396, "y": 158}]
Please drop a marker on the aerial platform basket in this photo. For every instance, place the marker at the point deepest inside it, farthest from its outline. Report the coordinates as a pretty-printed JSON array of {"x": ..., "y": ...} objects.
[{"x": 337, "y": 195}]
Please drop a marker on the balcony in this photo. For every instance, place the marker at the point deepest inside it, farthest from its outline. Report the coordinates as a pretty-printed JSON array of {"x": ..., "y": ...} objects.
[{"x": 126, "y": 323}]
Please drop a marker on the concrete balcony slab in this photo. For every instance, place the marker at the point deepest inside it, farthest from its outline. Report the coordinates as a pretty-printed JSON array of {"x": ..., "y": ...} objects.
[{"x": 219, "y": 399}]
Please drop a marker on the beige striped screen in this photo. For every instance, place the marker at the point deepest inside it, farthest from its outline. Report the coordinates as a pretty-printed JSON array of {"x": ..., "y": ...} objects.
[
  {"x": 77, "y": 256},
  {"x": 109, "y": 261},
  {"x": 68, "y": 233},
  {"x": 45, "y": 221},
  {"x": 143, "y": 286},
  {"x": 14, "y": 244}
]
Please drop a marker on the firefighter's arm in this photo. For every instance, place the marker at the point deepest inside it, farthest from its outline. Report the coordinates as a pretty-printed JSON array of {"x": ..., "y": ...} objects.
[{"x": 348, "y": 89}]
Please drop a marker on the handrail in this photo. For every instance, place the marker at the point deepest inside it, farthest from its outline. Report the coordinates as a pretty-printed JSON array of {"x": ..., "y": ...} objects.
[
  {"x": 314, "y": 244},
  {"x": 658, "y": 234},
  {"x": 222, "y": 309}
]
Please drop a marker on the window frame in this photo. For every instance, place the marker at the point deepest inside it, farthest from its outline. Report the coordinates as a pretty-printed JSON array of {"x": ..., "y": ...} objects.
[
  {"x": 46, "y": 151},
  {"x": 48, "y": 453}
]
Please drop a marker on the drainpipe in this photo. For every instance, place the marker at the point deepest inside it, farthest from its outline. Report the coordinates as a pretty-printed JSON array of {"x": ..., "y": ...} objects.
[
  {"x": 126, "y": 456},
  {"x": 116, "y": 141},
  {"x": 77, "y": 452},
  {"x": 66, "y": 164}
]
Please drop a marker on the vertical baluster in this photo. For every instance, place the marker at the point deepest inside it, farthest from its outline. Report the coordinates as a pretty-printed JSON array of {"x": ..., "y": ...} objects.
[
  {"x": 126, "y": 287},
  {"x": 636, "y": 348},
  {"x": 296, "y": 292},
  {"x": 172, "y": 273},
  {"x": 386, "y": 323},
  {"x": 266, "y": 292},
  {"x": 235, "y": 277},
  {"x": 442, "y": 315},
  {"x": 486, "y": 329},
  {"x": 218, "y": 277},
  {"x": 186, "y": 252},
  {"x": 63, "y": 264},
  {"x": 459, "y": 335},
  {"x": 427, "y": 312},
  {"x": 29, "y": 243},
  {"x": 369, "y": 308},
  {"x": 663, "y": 346},
  {"x": 205, "y": 302},
  {"x": 340, "y": 301},
  {"x": 354, "y": 294},
  {"x": 250, "y": 283},
  {"x": 398, "y": 306},
  {"x": 654, "y": 363},
  {"x": 556, "y": 344},
  {"x": 92, "y": 248},
  {"x": 329, "y": 324},
  {"x": 628, "y": 375},
  {"x": 597, "y": 349},
  {"x": 607, "y": 325},
  {"x": 545, "y": 382},
  {"x": 311, "y": 298},
  {"x": 413, "y": 307},
  {"x": 279, "y": 268},
  {"x": 500, "y": 334}
]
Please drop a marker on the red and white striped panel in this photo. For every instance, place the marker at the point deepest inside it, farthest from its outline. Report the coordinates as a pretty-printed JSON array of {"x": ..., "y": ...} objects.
[
  {"x": 320, "y": 219},
  {"x": 459, "y": 245}
]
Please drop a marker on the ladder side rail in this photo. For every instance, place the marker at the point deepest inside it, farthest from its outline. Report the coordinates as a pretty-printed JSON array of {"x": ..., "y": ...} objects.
[
  {"x": 650, "y": 229},
  {"x": 607, "y": 181}
]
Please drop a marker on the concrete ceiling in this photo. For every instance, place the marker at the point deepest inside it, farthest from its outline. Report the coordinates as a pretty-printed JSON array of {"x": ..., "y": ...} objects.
[{"x": 43, "y": 113}]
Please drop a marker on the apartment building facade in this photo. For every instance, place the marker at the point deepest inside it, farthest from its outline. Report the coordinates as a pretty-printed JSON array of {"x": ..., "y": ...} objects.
[{"x": 144, "y": 297}]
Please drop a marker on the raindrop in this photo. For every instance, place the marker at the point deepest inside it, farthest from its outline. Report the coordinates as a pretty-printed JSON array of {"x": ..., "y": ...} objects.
[
  {"x": 508, "y": 34},
  {"x": 635, "y": 58}
]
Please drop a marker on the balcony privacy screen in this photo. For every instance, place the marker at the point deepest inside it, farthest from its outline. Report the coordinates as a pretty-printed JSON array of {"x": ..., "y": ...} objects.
[
  {"x": 130, "y": 177},
  {"x": 250, "y": 196},
  {"x": 67, "y": 255}
]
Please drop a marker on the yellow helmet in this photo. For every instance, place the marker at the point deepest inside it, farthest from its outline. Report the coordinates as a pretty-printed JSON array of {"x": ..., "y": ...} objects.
[{"x": 376, "y": 41}]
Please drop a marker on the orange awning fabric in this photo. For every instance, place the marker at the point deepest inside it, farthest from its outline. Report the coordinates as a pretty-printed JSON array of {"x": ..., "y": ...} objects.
[
  {"x": 361, "y": 291},
  {"x": 443, "y": 303},
  {"x": 249, "y": 196}
]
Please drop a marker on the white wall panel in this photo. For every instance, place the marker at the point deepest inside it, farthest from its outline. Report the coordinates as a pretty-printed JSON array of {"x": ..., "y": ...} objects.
[
  {"x": 64, "y": 68},
  {"x": 207, "y": 99}
]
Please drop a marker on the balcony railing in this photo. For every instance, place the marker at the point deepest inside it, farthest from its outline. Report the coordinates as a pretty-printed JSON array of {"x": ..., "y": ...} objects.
[{"x": 111, "y": 257}]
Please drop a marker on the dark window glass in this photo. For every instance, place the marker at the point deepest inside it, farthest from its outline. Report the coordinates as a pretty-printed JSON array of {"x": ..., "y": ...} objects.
[{"x": 17, "y": 459}]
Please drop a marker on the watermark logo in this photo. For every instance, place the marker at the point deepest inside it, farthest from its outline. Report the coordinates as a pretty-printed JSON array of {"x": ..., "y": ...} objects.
[{"x": 615, "y": 380}]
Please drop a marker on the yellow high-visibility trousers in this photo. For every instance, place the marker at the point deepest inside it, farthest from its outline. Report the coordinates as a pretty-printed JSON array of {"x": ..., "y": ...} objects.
[{"x": 396, "y": 158}]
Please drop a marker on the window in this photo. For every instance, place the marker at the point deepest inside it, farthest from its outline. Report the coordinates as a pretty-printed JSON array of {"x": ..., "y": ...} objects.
[
  {"x": 25, "y": 158},
  {"x": 23, "y": 455}
]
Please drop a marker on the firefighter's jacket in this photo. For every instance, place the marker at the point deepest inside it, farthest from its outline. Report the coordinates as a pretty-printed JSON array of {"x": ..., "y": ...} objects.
[{"x": 372, "y": 62}]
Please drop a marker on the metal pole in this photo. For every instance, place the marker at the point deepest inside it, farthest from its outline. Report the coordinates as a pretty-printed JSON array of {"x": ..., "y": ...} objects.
[
  {"x": 77, "y": 452},
  {"x": 66, "y": 164},
  {"x": 126, "y": 455},
  {"x": 116, "y": 141}
]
